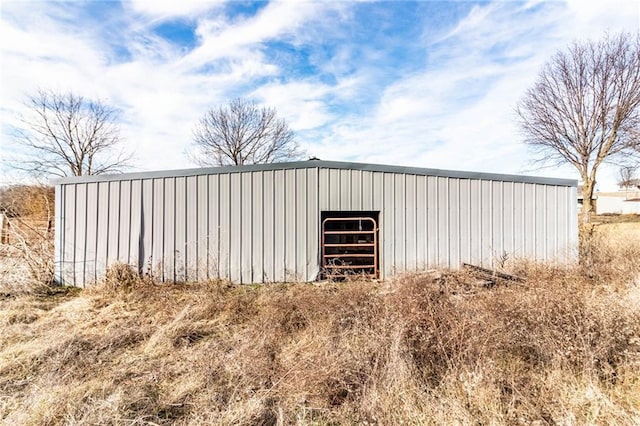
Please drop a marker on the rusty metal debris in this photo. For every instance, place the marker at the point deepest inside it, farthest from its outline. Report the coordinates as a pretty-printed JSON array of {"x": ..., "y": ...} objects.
[{"x": 492, "y": 277}]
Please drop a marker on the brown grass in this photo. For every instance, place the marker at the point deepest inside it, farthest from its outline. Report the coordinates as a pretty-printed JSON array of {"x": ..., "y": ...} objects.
[
  {"x": 616, "y": 218},
  {"x": 562, "y": 348}
]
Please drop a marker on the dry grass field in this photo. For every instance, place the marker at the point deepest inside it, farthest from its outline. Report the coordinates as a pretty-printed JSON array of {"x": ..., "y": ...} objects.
[{"x": 561, "y": 348}]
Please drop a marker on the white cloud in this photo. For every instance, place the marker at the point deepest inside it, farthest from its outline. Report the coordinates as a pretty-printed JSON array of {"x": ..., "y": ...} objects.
[
  {"x": 221, "y": 39},
  {"x": 592, "y": 18},
  {"x": 162, "y": 9},
  {"x": 302, "y": 104}
]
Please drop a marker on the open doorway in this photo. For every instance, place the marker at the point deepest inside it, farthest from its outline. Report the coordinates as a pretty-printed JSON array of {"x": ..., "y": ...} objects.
[{"x": 349, "y": 244}]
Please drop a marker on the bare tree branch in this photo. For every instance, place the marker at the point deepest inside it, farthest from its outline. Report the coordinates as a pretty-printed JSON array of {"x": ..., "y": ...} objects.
[
  {"x": 64, "y": 134},
  {"x": 584, "y": 109},
  {"x": 243, "y": 133}
]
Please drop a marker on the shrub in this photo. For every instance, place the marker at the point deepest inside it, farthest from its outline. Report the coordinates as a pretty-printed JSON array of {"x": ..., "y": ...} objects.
[
  {"x": 122, "y": 277},
  {"x": 27, "y": 260}
]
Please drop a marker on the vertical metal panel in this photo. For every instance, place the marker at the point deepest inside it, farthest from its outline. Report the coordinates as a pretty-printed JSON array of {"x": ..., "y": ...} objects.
[
  {"x": 113, "y": 222},
  {"x": 214, "y": 250},
  {"x": 421, "y": 222},
  {"x": 551, "y": 222},
  {"x": 192, "y": 234},
  {"x": 91, "y": 244},
  {"x": 157, "y": 226},
  {"x": 356, "y": 190},
  {"x": 124, "y": 221},
  {"x": 269, "y": 222},
  {"x": 344, "y": 190},
  {"x": 388, "y": 231},
  {"x": 224, "y": 187},
  {"x": 102, "y": 236},
  {"x": 378, "y": 205},
  {"x": 312, "y": 226},
  {"x": 58, "y": 246},
  {"x": 335, "y": 183},
  {"x": 562, "y": 217},
  {"x": 454, "y": 222},
  {"x": 442, "y": 206},
  {"x": 68, "y": 255},
  {"x": 279, "y": 264},
  {"x": 366, "y": 184},
  {"x": 146, "y": 226},
  {"x": 235, "y": 230},
  {"x": 290, "y": 237},
  {"x": 518, "y": 219},
  {"x": 180, "y": 247},
  {"x": 572, "y": 217},
  {"x": 432, "y": 221},
  {"x": 410, "y": 227},
  {"x": 301, "y": 232},
  {"x": 378, "y": 191},
  {"x": 508, "y": 213},
  {"x": 323, "y": 189},
  {"x": 246, "y": 211},
  {"x": 565, "y": 252},
  {"x": 399, "y": 214},
  {"x": 169, "y": 230},
  {"x": 540, "y": 215},
  {"x": 475, "y": 221},
  {"x": 136, "y": 249},
  {"x": 486, "y": 229},
  {"x": 257, "y": 230},
  {"x": 529, "y": 220},
  {"x": 80, "y": 234},
  {"x": 203, "y": 233},
  {"x": 324, "y": 200},
  {"x": 464, "y": 220},
  {"x": 497, "y": 220}
]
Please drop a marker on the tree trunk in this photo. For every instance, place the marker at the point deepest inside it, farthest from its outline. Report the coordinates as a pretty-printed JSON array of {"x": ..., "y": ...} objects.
[
  {"x": 587, "y": 205},
  {"x": 586, "y": 228}
]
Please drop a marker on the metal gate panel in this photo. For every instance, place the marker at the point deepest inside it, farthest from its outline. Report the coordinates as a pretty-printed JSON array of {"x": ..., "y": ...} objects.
[{"x": 350, "y": 247}]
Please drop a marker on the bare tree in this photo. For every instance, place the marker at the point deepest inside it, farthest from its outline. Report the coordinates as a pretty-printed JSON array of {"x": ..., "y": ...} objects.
[
  {"x": 627, "y": 178},
  {"x": 243, "y": 133},
  {"x": 584, "y": 109},
  {"x": 65, "y": 134}
]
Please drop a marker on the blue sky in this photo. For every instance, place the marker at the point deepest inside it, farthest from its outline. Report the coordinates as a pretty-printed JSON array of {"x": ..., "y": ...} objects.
[{"x": 430, "y": 84}]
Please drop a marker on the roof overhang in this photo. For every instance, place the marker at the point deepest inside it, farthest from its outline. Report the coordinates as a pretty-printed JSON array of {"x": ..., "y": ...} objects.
[{"x": 319, "y": 164}]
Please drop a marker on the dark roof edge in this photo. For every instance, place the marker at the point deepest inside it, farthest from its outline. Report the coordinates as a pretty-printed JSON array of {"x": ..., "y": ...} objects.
[{"x": 321, "y": 165}]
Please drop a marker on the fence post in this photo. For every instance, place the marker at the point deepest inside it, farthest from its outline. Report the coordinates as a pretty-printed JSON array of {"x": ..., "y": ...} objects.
[{"x": 4, "y": 236}]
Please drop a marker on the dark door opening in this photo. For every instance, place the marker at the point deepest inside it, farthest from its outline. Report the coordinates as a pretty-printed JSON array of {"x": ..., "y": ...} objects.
[{"x": 349, "y": 244}]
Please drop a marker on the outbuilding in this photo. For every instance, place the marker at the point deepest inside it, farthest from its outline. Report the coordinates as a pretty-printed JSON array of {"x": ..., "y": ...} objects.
[{"x": 308, "y": 220}]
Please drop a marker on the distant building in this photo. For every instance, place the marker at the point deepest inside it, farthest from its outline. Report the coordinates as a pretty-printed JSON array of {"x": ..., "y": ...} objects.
[{"x": 620, "y": 202}]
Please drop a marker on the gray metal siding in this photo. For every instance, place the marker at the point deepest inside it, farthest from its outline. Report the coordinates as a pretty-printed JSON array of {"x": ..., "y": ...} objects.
[
  {"x": 428, "y": 221},
  {"x": 263, "y": 225}
]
